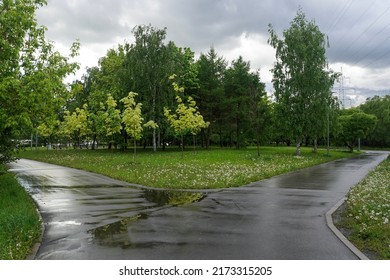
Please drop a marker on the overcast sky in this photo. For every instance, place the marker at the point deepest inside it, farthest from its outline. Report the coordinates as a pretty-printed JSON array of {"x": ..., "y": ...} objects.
[{"x": 358, "y": 31}]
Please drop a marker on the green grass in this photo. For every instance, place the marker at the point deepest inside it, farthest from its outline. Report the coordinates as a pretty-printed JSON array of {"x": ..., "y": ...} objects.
[
  {"x": 19, "y": 221},
  {"x": 203, "y": 169},
  {"x": 367, "y": 213}
]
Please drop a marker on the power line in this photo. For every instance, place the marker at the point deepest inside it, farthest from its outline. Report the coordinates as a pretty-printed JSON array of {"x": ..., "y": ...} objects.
[
  {"x": 339, "y": 16},
  {"x": 357, "y": 60},
  {"x": 372, "y": 51},
  {"x": 379, "y": 58},
  {"x": 360, "y": 17},
  {"x": 361, "y": 34}
]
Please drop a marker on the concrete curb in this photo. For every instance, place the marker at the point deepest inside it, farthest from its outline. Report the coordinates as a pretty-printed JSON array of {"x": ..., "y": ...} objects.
[
  {"x": 329, "y": 221},
  {"x": 37, "y": 245}
]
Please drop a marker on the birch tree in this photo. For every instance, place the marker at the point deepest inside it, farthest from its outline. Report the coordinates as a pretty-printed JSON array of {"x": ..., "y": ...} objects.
[
  {"x": 300, "y": 80},
  {"x": 146, "y": 63}
]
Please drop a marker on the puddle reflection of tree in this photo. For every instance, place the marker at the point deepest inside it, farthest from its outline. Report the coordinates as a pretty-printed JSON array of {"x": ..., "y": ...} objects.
[
  {"x": 172, "y": 198},
  {"x": 116, "y": 234}
]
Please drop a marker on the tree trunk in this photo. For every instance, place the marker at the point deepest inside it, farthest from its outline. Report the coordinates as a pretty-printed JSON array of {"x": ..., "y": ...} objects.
[
  {"x": 159, "y": 139},
  {"x": 208, "y": 135},
  {"x": 220, "y": 138},
  {"x": 154, "y": 117},
  {"x": 94, "y": 141},
  {"x": 315, "y": 145},
  {"x": 350, "y": 146},
  {"x": 125, "y": 137},
  {"x": 298, "y": 147},
  {"x": 154, "y": 140},
  {"x": 36, "y": 140},
  {"x": 163, "y": 139},
  {"x": 194, "y": 141},
  {"x": 238, "y": 133}
]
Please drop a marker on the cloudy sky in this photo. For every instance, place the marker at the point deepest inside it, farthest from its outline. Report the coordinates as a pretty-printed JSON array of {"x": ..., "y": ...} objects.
[{"x": 358, "y": 31}]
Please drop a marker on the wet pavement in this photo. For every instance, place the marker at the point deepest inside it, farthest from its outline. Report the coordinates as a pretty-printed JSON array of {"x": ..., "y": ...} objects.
[{"x": 89, "y": 216}]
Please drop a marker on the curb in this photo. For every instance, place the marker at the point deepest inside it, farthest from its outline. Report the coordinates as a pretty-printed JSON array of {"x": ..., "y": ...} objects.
[
  {"x": 339, "y": 235},
  {"x": 37, "y": 245}
]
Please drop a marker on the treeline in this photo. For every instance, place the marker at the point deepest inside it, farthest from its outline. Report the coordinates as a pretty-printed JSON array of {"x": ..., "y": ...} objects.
[
  {"x": 229, "y": 96},
  {"x": 156, "y": 93}
]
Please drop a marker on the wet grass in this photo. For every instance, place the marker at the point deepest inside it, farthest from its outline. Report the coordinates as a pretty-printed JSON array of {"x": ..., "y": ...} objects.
[
  {"x": 202, "y": 169},
  {"x": 19, "y": 221},
  {"x": 367, "y": 213}
]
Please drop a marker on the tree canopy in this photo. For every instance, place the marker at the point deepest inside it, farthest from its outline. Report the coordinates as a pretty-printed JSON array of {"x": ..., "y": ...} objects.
[
  {"x": 209, "y": 99},
  {"x": 354, "y": 125},
  {"x": 301, "y": 82},
  {"x": 379, "y": 107},
  {"x": 31, "y": 73}
]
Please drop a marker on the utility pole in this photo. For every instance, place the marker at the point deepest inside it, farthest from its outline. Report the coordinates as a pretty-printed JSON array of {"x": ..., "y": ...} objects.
[
  {"x": 327, "y": 135},
  {"x": 342, "y": 89}
]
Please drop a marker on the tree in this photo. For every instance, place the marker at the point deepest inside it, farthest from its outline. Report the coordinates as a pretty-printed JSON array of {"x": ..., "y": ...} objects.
[
  {"x": 354, "y": 125},
  {"x": 186, "y": 118},
  {"x": 211, "y": 95},
  {"x": 259, "y": 112},
  {"x": 110, "y": 80},
  {"x": 239, "y": 83},
  {"x": 49, "y": 129},
  {"x": 380, "y": 107},
  {"x": 182, "y": 62},
  {"x": 75, "y": 125},
  {"x": 112, "y": 117},
  {"x": 146, "y": 62},
  {"x": 323, "y": 108},
  {"x": 132, "y": 118},
  {"x": 302, "y": 85},
  {"x": 31, "y": 73},
  {"x": 109, "y": 119},
  {"x": 112, "y": 70}
]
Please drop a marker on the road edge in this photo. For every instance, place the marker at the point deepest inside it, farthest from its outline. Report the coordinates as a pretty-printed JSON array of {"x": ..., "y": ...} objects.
[
  {"x": 34, "y": 249},
  {"x": 339, "y": 235}
]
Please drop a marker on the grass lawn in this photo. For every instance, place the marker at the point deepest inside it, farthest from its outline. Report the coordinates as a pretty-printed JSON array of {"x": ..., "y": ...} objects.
[
  {"x": 367, "y": 213},
  {"x": 19, "y": 221},
  {"x": 201, "y": 169}
]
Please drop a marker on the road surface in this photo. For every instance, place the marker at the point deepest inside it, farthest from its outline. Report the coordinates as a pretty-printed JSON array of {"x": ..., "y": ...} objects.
[{"x": 89, "y": 216}]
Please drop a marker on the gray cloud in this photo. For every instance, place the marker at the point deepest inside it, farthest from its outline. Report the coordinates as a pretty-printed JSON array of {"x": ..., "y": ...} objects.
[
  {"x": 358, "y": 31},
  {"x": 89, "y": 21}
]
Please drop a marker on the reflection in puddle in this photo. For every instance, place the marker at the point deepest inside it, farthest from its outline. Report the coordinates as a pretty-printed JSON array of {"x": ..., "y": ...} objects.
[
  {"x": 117, "y": 234},
  {"x": 173, "y": 198}
]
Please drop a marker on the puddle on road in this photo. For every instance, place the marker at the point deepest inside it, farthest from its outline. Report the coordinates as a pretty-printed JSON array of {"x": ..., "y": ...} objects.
[
  {"x": 172, "y": 198},
  {"x": 117, "y": 233}
]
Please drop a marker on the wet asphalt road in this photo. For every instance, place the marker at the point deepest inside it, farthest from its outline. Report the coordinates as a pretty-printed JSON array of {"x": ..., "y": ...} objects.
[{"x": 89, "y": 216}]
